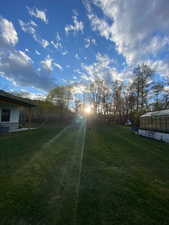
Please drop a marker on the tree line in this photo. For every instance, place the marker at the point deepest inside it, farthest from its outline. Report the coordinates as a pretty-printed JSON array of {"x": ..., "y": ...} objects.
[
  {"x": 117, "y": 101},
  {"x": 121, "y": 101}
]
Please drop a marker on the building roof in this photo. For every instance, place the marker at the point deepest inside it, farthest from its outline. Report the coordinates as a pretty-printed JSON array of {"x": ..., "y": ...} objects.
[
  {"x": 156, "y": 113},
  {"x": 9, "y": 98}
]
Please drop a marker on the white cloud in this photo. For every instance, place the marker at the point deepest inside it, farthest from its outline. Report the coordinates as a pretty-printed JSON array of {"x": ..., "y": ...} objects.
[
  {"x": 29, "y": 28},
  {"x": 86, "y": 77},
  {"x": 76, "y": 27},
  {"x": 17, "y": 67},
  {"x": 77, "y": 56},
  {"x": 89, "y": 42},
  {"x": 75, "y": 12},
  {"x": 31, "y": 95},
  {"x": 159, "y": 66},
  {"x": 65, "y": 52},
  {"x": 19, "y": 57},
  {"x": 155, "y": 45},
  {"x": 33, "y": 23},
  {"x": 40, "y": 14},
  {"x": 78, "y": 88},
  {"x": 140, "y": 29},
  {"x": 58, "y": 66},
  {"x": 57, "y": 43},
  {"x": 102, "y": 69},
  {"x": 37, "y": 52},
  {"x": 48, "y": 64},
  {"x": 43, "y": 42},
  {"x": 100, "y": 25},
  {"x": 58, "y": 38},
  {"x": 77, "y": 71},
  {"x": 8, "y": 34}
]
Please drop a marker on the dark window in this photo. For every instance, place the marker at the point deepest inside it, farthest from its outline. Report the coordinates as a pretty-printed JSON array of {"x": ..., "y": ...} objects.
[{"x": 5, "y": 115}]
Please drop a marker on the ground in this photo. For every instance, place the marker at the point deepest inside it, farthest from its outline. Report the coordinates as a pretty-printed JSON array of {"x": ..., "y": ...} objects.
[{"x": 73, "y": 175}]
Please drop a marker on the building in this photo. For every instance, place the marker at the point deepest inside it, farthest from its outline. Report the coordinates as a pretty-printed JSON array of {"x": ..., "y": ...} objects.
[
  {"x": 10, "y": 107},
  {"x": 155, "y": 125}
]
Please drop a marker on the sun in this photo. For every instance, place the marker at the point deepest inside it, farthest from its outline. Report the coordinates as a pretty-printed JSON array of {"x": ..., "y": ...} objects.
[{"x": 88, "y": 109}]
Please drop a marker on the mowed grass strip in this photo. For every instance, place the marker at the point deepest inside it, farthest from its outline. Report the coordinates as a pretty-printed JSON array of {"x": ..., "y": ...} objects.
[
  {"x": 17, "y": 148},
  {"x": 125, "y": 179},
  {"x": 44, "y": 189},
  {"x": 24, "y": 193}
]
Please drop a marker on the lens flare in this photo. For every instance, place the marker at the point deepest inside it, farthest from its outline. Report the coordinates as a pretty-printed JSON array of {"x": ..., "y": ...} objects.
[{"x": 88, "y": 109}]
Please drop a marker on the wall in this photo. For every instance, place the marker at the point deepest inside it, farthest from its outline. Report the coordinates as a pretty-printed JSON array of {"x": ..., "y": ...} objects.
[
  {"x": 155, "y": 135},
  {"x": 160, "y": 123},
  {"x": 13, "y": 124}
]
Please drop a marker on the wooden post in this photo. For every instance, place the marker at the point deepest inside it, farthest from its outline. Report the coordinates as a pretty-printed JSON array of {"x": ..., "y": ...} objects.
[{"x": 29, "y": 117}]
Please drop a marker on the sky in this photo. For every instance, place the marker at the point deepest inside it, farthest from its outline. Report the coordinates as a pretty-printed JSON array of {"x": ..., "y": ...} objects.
[{"x": 45, "y": 43}]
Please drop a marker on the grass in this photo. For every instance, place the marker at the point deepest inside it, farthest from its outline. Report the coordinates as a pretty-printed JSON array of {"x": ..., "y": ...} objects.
[{"x": 50, "y": 179}]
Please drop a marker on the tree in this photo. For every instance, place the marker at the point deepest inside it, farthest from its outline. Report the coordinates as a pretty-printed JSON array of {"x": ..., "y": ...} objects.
[
  {"x": 143, "y": 74},
  {"x": 61, "y": 96},
  {"x": 157, "y": 90},
  {"x": 166, "y": 94}
]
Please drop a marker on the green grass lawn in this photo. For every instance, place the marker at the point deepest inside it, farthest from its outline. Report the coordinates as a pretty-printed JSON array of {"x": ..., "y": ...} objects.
[{"x": 102, "y": 175}]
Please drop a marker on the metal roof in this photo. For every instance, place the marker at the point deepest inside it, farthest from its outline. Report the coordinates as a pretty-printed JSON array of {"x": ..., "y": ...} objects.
[
  {"x": 7, "y": 97},
  {"x": 157, "y": 113}
]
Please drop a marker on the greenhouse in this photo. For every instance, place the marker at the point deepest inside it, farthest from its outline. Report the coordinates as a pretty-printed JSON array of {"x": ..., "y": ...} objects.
[
  {"x": 155, "y": 125},
  {"x": 155, "y": 121}
]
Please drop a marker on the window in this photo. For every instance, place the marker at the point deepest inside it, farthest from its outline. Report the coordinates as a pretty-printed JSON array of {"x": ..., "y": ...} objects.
[{"x": 5, "y": 115}]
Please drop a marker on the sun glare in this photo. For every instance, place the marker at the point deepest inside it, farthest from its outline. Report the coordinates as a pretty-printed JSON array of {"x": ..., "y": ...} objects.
[{"x": 88, "y": 109}]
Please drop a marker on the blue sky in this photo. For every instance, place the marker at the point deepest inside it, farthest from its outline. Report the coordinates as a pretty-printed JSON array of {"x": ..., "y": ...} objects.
[{"x": 45, "y": 43}]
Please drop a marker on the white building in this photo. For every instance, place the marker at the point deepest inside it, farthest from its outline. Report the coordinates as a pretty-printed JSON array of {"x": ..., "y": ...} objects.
[{"x": 10, "y": 107}]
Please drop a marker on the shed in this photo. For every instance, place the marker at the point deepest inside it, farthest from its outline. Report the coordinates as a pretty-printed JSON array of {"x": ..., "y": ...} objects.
[{"x": 10, "y": 106}]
